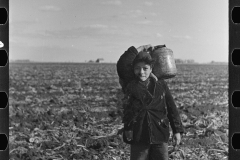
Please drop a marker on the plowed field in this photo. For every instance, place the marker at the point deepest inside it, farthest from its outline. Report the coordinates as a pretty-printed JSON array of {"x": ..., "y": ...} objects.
[{"x": 73, "y": 111}]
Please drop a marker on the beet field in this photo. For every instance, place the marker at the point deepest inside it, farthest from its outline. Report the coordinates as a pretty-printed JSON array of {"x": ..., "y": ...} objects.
[{"x": 60, "y": 111}]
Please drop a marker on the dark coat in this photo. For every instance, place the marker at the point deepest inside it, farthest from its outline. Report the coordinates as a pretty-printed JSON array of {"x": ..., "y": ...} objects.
[{"x": 148, "y": 115}]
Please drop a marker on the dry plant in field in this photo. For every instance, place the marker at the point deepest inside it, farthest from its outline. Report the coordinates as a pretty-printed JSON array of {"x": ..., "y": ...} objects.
[{"x": 73, "y": 111}]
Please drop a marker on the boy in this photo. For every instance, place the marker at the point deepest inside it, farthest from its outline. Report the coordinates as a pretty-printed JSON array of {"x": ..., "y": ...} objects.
[{"x": 149, "y": 109}]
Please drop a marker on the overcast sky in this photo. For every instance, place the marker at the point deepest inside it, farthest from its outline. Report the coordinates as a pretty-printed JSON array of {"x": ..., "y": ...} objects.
[{"x": 83, "y": 30}]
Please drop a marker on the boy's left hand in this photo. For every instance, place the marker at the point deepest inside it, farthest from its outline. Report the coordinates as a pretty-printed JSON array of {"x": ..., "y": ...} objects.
[{"x": 177, "y": 138}]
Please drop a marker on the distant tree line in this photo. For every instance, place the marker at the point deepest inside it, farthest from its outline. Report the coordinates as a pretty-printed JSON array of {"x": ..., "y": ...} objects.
[
  {"x": 183, "y": 61},
  {"x": 191, "y": 61},
  {"x": 21, "y": 61},
  {"x": 213, "y": 62},
  {"x": 97, "y": 61}
]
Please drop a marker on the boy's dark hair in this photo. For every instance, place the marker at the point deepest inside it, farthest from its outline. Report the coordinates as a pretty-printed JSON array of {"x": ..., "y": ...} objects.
[{"x": 143, "y": 57}]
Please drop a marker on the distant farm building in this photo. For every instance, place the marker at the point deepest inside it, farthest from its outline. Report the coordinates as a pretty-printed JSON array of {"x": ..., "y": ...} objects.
[{"x": 99, "y": 60}]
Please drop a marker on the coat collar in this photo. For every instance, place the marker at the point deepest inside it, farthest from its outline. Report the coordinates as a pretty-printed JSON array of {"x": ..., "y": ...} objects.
[{"x": 141, "y": 92}]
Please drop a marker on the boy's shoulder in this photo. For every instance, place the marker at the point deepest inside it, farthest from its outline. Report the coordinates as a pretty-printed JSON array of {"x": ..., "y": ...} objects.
[
  {"x": 130, "y": 86},
  {"x": 161, "y": 82},
  {"x": 133, "y": 84}
]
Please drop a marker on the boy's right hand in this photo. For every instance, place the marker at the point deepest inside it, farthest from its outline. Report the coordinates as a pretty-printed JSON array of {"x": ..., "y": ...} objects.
[{"x": 129, "y": 135}]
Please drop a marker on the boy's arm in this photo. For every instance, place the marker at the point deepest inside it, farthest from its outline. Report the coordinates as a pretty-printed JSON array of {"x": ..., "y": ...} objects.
[
  {"x": 173, "y": 115},
  {"x": 127, "y": 110}
]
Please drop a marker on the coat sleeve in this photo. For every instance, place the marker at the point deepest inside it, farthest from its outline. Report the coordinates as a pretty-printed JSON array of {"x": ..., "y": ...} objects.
[
  {"x": 132, "y": 49},
  {"x": 173, "y": 115},
  {"x": 131, "y": 52},
  {"x": 127, "y": 109}
]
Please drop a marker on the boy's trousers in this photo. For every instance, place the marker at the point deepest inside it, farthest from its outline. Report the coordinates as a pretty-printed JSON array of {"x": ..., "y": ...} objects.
[{"x": 149, "y": 152}]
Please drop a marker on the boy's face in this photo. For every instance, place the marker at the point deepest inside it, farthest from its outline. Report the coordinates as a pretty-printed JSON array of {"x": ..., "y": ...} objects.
[{"x": 142, "y": 70}]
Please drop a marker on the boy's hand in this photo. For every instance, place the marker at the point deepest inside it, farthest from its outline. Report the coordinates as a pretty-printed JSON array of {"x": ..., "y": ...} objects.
[
  {"x": 129, "y": 135},
  {"x": 148, "y": 47},
  {"x": 177, "y": 138}
]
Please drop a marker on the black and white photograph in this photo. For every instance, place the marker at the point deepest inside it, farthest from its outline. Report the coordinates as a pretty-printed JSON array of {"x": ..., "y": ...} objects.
[{"x": 118, "y": 80}]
